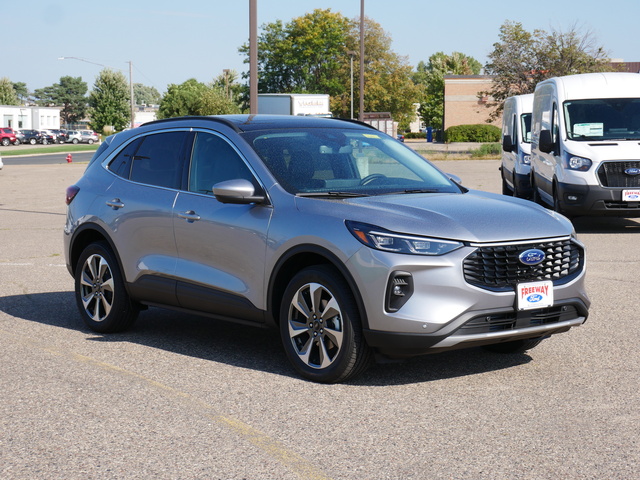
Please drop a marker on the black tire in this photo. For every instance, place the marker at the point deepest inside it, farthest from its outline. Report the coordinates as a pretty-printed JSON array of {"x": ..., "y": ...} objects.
[
  {"x": 74, "y": 141},
  {"x": 517, "y": 346},
  {"x": 102, "y": 299},
  {"x": 320, "y": 327},
  {"x": 90, "y": 142},
  {"x": 32, "y": 141},
  {"x": 6, "y": 142}
]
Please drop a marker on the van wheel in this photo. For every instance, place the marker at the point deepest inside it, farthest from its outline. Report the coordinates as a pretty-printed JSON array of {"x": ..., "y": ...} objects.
[
  {"x": 320, "y": 327},
  {"x": 102, "y": 299}
]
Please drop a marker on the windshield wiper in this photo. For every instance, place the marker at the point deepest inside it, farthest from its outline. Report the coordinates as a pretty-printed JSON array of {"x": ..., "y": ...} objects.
[{"x": 331, "y": 194}]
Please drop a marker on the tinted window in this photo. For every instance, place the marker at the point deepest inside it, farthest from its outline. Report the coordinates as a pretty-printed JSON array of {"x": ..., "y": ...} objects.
[
  {"x": 157, "y": 160},
  {"x": 121, "y": 164},
  {"x": 213, "y": 161}
]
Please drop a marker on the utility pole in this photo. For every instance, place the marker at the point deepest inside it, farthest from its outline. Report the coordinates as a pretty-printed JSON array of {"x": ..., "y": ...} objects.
[
  {"x": 132, "y": 102},
  {"x": 253, "y": 57},
  {"x": 361, "y": 112}
]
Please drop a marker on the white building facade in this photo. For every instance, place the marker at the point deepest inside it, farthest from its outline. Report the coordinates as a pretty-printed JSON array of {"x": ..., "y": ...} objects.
[{"x": 31, "y": 118}]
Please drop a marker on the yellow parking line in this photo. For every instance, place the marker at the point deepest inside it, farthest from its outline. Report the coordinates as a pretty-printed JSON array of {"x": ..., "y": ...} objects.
[{"x": 274, "y": 449}]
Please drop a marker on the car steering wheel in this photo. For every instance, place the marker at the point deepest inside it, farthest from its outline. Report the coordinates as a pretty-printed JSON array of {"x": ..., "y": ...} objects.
[{"x": 372, "y": 178}]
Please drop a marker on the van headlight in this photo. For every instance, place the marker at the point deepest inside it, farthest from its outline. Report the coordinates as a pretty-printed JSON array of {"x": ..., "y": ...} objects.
[
  {"x": 382, "y": 239},
  {"x": 526, "y": 159},
  {"x": 573, "y": 162}
]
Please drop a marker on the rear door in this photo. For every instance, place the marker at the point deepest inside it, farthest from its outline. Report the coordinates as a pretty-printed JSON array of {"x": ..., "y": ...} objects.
[{"x": 139, "y": 209}]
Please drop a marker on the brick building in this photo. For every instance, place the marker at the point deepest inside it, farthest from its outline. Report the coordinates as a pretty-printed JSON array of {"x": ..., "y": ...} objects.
[{"x": 462, "y": 106}]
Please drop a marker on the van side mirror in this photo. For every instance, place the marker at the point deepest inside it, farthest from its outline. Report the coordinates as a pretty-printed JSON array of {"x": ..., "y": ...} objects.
[
  {"x": 507, "y": 143},
  {"x": 545, "y": 143}
]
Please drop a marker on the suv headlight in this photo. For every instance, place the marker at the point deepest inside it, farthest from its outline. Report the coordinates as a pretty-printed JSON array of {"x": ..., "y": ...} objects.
[
  {"x": 381, "y": 239},
  {"x": 574, "y": 162}
]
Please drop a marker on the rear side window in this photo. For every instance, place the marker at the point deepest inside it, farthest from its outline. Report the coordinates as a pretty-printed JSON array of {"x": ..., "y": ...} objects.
[{"x": 154, "y": 160}]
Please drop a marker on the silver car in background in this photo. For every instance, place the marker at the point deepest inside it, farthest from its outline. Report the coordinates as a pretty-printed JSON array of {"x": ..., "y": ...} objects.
[{"x": 337, "y": 234}]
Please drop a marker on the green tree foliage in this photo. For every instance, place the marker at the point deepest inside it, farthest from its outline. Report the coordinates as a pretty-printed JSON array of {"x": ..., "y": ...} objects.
[
  {"x": 196, "y": 98},
  {"x": 109, "y": 101},
  {"x": 70, "y": 94},
  {"x": 310, "y": 55},
  {"x": 521, "y": 59},
  {"x": 22, "y": 92},
  {"x": 431, "y": 77},
  {"x": 145, "y": 95},
  {"x": 7, "y": 92}
]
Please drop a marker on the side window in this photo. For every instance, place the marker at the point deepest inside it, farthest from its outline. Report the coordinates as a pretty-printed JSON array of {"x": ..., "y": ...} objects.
[
  {"x": 157, "y": 161},
  {"x": 121, "y": 164},
  {"x": 213, "y": 161},
  {"x": 554, "y": 124}
]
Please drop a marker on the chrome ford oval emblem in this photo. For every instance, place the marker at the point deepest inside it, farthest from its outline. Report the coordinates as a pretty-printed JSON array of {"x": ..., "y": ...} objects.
[
  {"x": 531, "y": 257},
  {"x": 632, "y": 171}
]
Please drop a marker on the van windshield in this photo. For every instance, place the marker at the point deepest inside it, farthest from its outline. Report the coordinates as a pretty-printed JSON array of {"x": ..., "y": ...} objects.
[{"x": 603, "y": 119}]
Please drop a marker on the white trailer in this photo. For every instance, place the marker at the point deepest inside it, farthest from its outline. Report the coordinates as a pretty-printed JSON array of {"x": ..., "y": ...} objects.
[{"x": 308, "y": 104}]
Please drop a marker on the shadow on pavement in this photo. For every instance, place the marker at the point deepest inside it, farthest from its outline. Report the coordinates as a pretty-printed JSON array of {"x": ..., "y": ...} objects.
[{"x": 242, "y": 346}]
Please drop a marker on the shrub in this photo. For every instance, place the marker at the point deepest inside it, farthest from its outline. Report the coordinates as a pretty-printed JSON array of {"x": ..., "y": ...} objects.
[
  {"x": 415, "y": 135},
  {"x": 472, "y": 133},
  {"x": 487, "y": 150}
]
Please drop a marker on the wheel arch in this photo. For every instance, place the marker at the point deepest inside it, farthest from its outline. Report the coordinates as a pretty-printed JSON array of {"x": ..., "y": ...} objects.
[
  {"x": 298, "y": 258},
  {"x": 85, "y": 235}
]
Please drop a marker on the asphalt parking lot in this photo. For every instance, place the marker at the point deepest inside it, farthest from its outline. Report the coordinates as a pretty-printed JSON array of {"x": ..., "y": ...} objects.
[{"x": 182, "y": 397}]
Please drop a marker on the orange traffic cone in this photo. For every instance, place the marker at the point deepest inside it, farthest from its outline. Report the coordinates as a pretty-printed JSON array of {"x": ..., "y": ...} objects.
[{"x": 69, "y": 159}]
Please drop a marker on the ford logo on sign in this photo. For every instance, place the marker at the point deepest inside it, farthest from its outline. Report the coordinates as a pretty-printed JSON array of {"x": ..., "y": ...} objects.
[
  {"x": 632, "y": 171},
  {"x": 531, "y": 257},
  {"x": 535, "y": 298}
]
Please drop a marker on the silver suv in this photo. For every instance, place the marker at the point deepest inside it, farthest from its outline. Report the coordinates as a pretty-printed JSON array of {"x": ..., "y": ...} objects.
[{"x": 339, "y": 235}]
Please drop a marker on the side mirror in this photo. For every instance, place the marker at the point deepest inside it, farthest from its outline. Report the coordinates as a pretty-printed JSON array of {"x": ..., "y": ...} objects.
[
  {"x": 507, "y": 143},
  {"x": 545, "y": 142},
  {"x": 238, "y": 191}
]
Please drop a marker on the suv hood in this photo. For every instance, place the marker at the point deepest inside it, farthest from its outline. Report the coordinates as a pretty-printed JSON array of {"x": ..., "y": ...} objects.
[{"x": 471, "y": 217}]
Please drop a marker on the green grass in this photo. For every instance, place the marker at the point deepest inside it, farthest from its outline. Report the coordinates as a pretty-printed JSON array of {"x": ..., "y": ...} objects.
[{"x": 67, "y": 148}]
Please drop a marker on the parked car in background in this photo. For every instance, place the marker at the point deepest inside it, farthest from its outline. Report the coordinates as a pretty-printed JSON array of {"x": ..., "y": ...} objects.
[
  {"x": 30, "y": 136},
  {"x": 8, "y": 137},
  {"x": 61, "y": 135},
  {"x": 88, "y": 136},
  {"x": 73, "y": 136},
  {"x": 346, "y": 240},
  {"x": 19, "y": 136},
  {"x": 47, "y": 137}
]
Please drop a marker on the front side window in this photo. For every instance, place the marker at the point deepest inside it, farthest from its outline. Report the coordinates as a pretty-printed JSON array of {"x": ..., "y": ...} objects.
[
  {"x": 329, "y": 161},
  {"x": 214, "y": 160},
  {"x": 603, "y": 119},
  {"x": 525, "y": 126}
]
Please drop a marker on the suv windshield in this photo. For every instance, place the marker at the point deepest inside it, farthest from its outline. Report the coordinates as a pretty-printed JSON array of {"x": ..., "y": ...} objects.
[
  {"x": 603, "y": 119},
  {"x": 330, "y": 161}
]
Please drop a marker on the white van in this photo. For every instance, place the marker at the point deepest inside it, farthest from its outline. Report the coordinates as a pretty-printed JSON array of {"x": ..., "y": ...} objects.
[
  {"x": 585, "y": 157},
  {"x": 515, "y": 166}
]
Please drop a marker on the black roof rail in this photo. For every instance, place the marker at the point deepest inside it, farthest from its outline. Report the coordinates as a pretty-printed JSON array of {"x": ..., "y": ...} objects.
[
  {"x": 211, "y": 118},
  {"x": 357, "y": 122}
]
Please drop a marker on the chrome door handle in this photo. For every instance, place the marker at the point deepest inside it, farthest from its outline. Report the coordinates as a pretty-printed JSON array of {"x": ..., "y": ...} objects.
[
  {"x": 190, "y": 216},
  {"x": 115, "y": 204}
]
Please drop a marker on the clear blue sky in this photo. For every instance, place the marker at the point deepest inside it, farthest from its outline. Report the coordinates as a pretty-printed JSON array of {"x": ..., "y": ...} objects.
[{"x": 172, "y": 41}]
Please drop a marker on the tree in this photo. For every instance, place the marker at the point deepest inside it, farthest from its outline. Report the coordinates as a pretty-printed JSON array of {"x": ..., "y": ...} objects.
[
  {"x": 196, "y": 98},
  {"x": 7, "y": 92},
  {"x": 521, "y": 59},
  {"x": 70, "y": 94},
  {"x": 431, "y": 77},
  {"x": 109, "y": 101},
  {"x": 145, "y": 95},
  {"x": 22, "y": 92},
  {"x": 310, "y": 54}
]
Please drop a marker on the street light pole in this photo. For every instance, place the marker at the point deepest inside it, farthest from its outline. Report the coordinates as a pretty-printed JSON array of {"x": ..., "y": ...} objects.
[
  {"x": 361, "y": 112},
  {"x": 253, "y": 57},
  {"x": 131, "y": 99}
]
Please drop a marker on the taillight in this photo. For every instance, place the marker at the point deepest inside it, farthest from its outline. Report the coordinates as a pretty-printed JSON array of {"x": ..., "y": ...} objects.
[{"x": 72, "y": 191}]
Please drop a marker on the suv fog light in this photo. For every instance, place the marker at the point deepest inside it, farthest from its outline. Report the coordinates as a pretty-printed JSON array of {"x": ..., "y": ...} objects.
[
  {"x": 572, "y": 198},
  {"x": 399, "y": 290}
]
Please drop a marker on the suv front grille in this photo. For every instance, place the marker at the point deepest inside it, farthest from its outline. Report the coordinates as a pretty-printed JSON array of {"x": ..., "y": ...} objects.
[
  {"x": 611, "y": 174},
  {"x": 498, "y": 268}
]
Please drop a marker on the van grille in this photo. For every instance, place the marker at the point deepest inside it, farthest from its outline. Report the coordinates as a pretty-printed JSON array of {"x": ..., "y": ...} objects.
[
  {"x": 498, "y": 268},
  {"x": 611, "y": 174}
]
